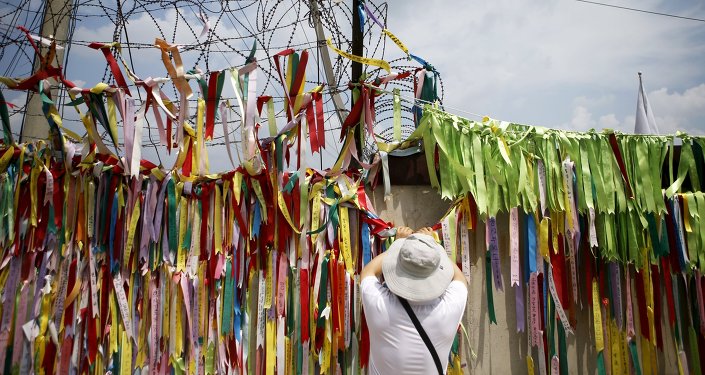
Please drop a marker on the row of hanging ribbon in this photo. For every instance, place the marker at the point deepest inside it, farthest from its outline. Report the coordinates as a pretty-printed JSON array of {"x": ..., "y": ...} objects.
[
  {"x": 103, "y": 271},
  {"x": 589, "y": 228},
  {"x": 112, "y": 263}
]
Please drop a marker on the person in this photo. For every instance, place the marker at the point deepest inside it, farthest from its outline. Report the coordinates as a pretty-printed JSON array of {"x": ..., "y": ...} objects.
[{"x": 417, "y": 269}]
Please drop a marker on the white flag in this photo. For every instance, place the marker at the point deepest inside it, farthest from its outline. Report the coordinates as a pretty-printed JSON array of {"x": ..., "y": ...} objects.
[{"x": 645, "y": 122}]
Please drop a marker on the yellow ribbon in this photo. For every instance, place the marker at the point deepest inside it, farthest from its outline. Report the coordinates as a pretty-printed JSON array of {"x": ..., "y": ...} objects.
[
  {"x": 183, "y": 218},
  {"x": 344, "y": 235},
  {"x": 543, "y": 238},
  {"x": 396, "y": 41},
  {"x": 125, "y": 355},
  {"x": 285, "y": 212},
  {"x": 134, "y": 218},
  {"x": 597, "y": 317},
  {"x": 5, "y": 159},
  {"x": 260, "y": 198},
  {"x": 362, "y": 60},
  {"x": 271, "y": 344}
]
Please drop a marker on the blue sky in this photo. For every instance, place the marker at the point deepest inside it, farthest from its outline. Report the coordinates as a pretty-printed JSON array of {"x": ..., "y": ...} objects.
[
  {"x": 556, "y": 63},
  {"x": 563, "y": 63}
]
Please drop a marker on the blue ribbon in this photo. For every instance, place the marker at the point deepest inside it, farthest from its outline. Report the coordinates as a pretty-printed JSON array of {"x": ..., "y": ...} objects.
[
  {"x": 366, "y": 252},
  {"x": 531, "y": 233},
  {"x": 361, "y": 13},
  {"x": 256, "y": 220}
]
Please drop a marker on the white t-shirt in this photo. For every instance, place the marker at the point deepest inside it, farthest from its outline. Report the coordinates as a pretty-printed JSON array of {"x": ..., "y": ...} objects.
[{"x": 395, "y": 345}]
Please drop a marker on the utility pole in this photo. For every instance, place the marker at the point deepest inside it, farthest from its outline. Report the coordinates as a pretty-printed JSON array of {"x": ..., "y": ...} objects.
[
  {"x": 327, "y": 66},
  {"x": 357, "y": 49},
  {"x": 57, "y": 16}
]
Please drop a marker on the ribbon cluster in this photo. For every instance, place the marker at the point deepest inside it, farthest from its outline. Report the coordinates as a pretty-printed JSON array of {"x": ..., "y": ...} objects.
[
  {"x": 103, "y": 271},
  {"x": 589, "y": 226}
]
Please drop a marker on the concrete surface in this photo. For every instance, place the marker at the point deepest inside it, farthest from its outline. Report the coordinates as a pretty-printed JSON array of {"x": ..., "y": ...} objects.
[{"x": 499, "y": 348}]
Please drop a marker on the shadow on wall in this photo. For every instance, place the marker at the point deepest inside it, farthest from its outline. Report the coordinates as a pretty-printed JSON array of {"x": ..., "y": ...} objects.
[{"x": 411, "y": 206}]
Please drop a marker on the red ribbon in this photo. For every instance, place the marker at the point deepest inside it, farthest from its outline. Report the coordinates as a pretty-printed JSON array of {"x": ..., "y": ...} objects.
[
  {"x": 205, "y": 209},
  {"x": 300, "y": 72},
  {"x": 641, "y": 303},
  {"x": 656, "y": 284},
  {"x": 186, "y": 168},
  {"x": 668, "y": 285},
  {"x": 318, "y": 99},
  {"x": 312, "y": 129},
  {"x": 304, "y": 298},
  {"x": 558, "y": 266},
  {"x": 117, "y": 74},
  {"x": 620, "y": 162},
  {"x": 211, "y": 104},
  {"x": 354, "y": 115},
  {"x": 277, "y": 56}
]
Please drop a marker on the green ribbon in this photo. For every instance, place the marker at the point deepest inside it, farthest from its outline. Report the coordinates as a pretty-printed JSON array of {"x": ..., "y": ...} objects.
[
  {"x": 601, "y": 363},
  {"x": 488, "y": 285},
  {"x": 586, "y": 178},
  {"x": 598, "y": 178},
  {"x": 562, "y": 350},
  {"x": 425, "y": 130},
  {"x": 292, "y": 182},
  {"x": 695, "y": 252},
  {"x": 226, "y": 323},
  {"x": 322, "y": 292},
  {"x": 332, "y": 217},
  {"x": 644, "y": 181},
  {"x": 171, "y": 205},
  {"x": 494, "y": 179},
  {"x": 5, "y": 117},
  {"x": 686, "y": 164},
  {"x": 98, "y": 111},
  {"x": 449, "y": 154},
  {"x": 481, "y": 190},
  {"x": 397, "y": 115},
  {"x": 699, "y": 222},
  {"x": 694, "y": 356},
  {"x": 635, "y": 357},
  {"x": 490, "y": 160}
]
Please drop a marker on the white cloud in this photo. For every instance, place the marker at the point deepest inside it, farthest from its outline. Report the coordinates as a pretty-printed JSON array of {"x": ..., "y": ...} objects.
[
  {"x": 582, "y": 119},
  {"x": 555, "y": 56},
  {"x": 79, "y": 83},
  {"x": 608, "y": 121},
  {"x": 679, "y": 111},
  {"x": 673, "y": 111}
]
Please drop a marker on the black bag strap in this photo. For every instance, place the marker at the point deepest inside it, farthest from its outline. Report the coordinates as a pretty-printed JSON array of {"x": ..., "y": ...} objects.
[{"x": 423, "y": 334}]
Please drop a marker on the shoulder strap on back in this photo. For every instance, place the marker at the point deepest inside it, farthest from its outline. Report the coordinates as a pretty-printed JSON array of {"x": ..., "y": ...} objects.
[{"x": 423, "y": 334}]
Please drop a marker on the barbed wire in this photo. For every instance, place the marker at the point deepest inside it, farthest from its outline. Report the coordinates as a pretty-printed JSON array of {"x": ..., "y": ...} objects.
[{"x": 271, "y": 25}]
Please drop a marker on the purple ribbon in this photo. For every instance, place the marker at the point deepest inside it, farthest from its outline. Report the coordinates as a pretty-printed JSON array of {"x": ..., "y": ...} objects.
[
  {"x": 372, "y": 16},
  {"x": 616, "y": 283},
  {"x": 519, "y": 302},
  {"x": 494, "y": 252}
]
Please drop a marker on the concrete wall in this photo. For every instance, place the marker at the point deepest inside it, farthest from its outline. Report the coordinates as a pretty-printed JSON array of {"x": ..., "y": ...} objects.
[{"x": 499, "y": 348}]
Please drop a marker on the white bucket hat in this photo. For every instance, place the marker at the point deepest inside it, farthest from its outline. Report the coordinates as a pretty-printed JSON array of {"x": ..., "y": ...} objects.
[{"x": 417, "y": 268}]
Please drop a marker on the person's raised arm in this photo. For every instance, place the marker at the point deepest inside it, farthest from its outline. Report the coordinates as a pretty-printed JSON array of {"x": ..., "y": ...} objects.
[
  {"x": 458, "y": 275},
  {"x": 374, "y": 267}
]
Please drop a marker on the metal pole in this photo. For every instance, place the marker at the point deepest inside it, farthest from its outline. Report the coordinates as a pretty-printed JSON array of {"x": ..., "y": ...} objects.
[{"x": 357, "y": 49}]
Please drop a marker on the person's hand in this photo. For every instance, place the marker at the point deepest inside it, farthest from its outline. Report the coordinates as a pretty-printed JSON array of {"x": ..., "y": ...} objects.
[
  {"x": 403, "y": 232},
  {"x": 426, "y": 230}
]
